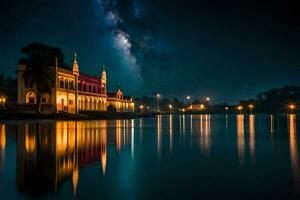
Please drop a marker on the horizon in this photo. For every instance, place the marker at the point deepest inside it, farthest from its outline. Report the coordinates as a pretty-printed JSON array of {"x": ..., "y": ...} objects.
[{"x": 227, "y": 51}]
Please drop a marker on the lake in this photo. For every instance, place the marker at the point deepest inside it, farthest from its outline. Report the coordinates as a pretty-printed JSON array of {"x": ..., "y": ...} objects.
[{"x": 165, "y": 157}]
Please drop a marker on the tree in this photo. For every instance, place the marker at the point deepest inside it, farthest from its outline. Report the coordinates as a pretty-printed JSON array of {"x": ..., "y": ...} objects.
[{"x": 38, "y": 59}]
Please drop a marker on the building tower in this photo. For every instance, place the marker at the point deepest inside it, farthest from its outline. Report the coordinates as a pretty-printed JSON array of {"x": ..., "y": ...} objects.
[
  {"x": 75, "y": 70},
  {"x": 103, "y": 81}
]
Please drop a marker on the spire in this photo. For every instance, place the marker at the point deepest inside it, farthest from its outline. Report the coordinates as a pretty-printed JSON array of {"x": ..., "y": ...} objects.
[
  {"x": 119, "y": 86},
  {"x": 75, "y": 57},
  {"x": 103, "y": 75},
  {"x": 75, "y": 64}
]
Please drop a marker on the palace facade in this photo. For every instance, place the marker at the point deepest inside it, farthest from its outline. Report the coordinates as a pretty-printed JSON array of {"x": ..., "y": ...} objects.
[{"x": 73, "y": 92}]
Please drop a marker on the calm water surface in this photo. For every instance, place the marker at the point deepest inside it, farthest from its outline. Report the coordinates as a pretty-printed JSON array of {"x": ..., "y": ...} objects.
[{"x": 167, "y": 157}]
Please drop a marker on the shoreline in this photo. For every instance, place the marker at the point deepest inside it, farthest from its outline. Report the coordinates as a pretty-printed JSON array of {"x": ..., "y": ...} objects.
[
  {"x": 8, "y": 116},
  {"x": 67, "y": 116}
]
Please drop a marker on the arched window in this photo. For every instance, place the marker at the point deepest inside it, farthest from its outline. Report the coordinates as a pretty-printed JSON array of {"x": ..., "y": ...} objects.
[
  {"x": 66, "y": 84},
  {"x": 84, "y": 87},
  {"x": 61, "y": 83},
  {"x": 99, "y": 90},
  {"x": 94, "y": 89},
  {"x": 71, "y": 85},
  {"x": 90, "y": 88},
  {"x": 79, "y": 86}
]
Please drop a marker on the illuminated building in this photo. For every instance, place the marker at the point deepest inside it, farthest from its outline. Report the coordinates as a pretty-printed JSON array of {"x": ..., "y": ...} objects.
[
  {"x": 197, "y": 107},
  {"x": 72, "y": 92}
]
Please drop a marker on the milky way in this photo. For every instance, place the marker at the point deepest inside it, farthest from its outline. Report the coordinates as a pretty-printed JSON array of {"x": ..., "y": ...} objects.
[{"x": 122, "y": 38}]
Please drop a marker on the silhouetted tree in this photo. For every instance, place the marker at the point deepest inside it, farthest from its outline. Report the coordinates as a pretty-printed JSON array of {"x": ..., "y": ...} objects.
[{"x": 38, "y": 60}]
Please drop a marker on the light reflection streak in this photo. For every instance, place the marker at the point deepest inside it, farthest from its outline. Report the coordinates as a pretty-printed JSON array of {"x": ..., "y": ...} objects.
[
  {"x": 159, "y": 136},
  {"x": 294, "y": 151},
  {"x": 171, "y": 132},
  {"x": 183, "y": 124},
  {"x": 252, "y": 136},
  {"x": 132, "y": 138},
  {"x": 226, "y": 124},
  {"x": 141, "y": 129},
  {"x": 272, "y": 123},
  {"x": 2, "y": 146},
  {"x": 240, "y": 138},
  {"x": 205, "y": 133},
  {"x": 191, "y": 123},
  {"x": 118, "y": 136}
]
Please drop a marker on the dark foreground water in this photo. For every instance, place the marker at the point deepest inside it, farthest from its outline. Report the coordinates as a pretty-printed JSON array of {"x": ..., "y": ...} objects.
[{"x": 168, "y": 157}]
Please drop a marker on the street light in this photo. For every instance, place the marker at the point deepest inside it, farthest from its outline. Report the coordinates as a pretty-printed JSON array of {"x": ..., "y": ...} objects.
[
  {"x": 158, "y": 96},
  {"x": 226, "y": 108},
  {"x": 2, "y": 101},
  {"x": 292, "y": 107},
  {"x": 170, "y": 107},
  {"x": 240, "y": 108},
  {"x": 141, "y": 107},
  {"x": 207, "y": 99},
  {"x": 251, "y": 106},
  {"x": 188, "y": 101},
  {"x": 202, "y": 107}
]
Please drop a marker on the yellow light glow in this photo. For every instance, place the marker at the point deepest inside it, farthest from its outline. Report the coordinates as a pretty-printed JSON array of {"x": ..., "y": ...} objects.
[
  {"x": 292, "y": 106},
  {"x": 207, "y": 99},
  {"x": 202, "y": 106},
  {"x": 251, "y": 106},
  {"x": 240, "y": 107},
  {"x": 141, "y": 107},
  {"x": 226, "y": 108},
  {"x": 170, "y": 106}
]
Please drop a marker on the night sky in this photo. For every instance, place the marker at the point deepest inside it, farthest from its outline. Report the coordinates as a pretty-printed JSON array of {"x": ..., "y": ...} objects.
[{"x": 223, "y": 49}]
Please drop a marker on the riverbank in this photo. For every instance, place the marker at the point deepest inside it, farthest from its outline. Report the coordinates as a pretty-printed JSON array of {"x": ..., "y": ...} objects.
[{"x": 68, "y": 116}]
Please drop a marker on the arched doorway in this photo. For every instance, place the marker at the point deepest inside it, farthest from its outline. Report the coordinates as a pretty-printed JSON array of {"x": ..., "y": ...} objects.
[{"x": 31, "y": 98}]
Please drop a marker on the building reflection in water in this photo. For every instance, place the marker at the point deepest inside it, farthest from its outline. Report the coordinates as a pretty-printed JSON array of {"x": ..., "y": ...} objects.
[
  {"x": 49, "y": 153},
  {"x": 2, "y": 146},
  {"x": 241, "y": 138},
  {"x": 171, "y": 132},
  {"x": 252, "y": 136},
  {"x": 205, "y": 133},
  {"x": 294, "y": 150},
  {"x": 159, "y": 136}
]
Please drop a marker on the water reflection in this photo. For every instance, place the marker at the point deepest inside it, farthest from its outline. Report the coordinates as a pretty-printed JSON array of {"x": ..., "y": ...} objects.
[
  {"x": 2, "y": 146},
  {"x": 171, "y": 132},
  {"x": 252, "y": 136},
  {"x": 49, "y": 153},
  {"x": 159, "y": 136},
  {"x": 294, "y": 150},
  {"x": 241, "y": 138},
  {"x": 272, "y": 123},
  {"x": 132, "y": 138},
  {"x": 205, "y": 133}
]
